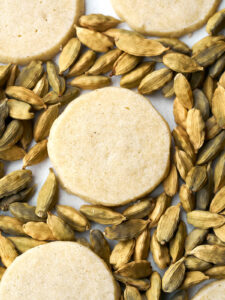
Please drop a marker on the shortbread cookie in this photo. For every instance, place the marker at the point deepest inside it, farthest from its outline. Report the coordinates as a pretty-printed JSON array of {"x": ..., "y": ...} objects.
[
  {"x": 163, "y": 17},
  {"x": 57, "y": 271},
  {"x": 36, "y": 29},
  {"x": 110, "y": 147},
  {"x": 212, "y": 291}
]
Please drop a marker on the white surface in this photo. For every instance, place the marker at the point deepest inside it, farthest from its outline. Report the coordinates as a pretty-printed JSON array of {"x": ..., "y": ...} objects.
[{"x": 164, "y": 106}]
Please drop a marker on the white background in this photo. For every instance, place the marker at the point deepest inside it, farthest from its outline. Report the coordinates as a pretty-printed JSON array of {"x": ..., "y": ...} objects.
[{"x": 164, "y": 106}]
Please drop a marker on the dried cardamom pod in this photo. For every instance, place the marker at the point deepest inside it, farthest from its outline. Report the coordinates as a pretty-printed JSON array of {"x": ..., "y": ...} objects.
[
  {"x": 118, "y": 32},
  {"x": 4, "y": 73},
  {"x": 131, "y": 293},
  {"x": 86, "y": 82},
  {"x": 2, "y": 271},
  {"x": 46, "y": 196},
  {"x": 124, "y": 64},
  {"x": 217, "y": 68},
  {"x": 24, "y": 212},
  {"x": 69, "y": 54},
  {"x": 99, "y": 245},
  {"x": 42, "y": 86},
  {"x": 141, "y": 284},
  {"x": 139, "y": 210},
  {"x": 192, "y": 278},
  {"x": 182, "y": 141},
  {"x": 187, "y": 198},
  {"x": 27, "y": 136},
  {"x": 73, "y": 217},
  {"x": 83, "y": 64},
  {"x": 36, "y": 154},
  {"x": 220, "y": 233},
  {"x": 23, "y": 244},
  {"x": 12, "y": 134},
  {"x": 104, "y": 63},
  {"x": 216, "y": 22},
  {"x": 211, "y": 128},
  {"x": 155, "y": 81},
  {"x": 51, "y": 98},
  {"x": 127, "y": 230},
  {"x": 181, "y": 63},
  {"x": 94, "y": 40},
  {"x": 134, "y": 77},
  {"x": 217, "y": 205},
  {"x": 38, "y": 230},
  {"x": 56, "y": 81},
  {"x": 98, "y": 22},
  {"x": 19, "y": 110},
  {"x": 183, "y": 163},
  {"x": 216, "y": 272},
  {"x": 175, "y": 44},
  {"x": 205, "y": 43},
  {"x": 205, "y": 219},
  {"x": 204, "y": 196},
  {"x": 179, "y": 113},
  {"x": 14, "y": 72},
  {"x": 183, "y": 91},
  {"x": 174, "y": 276},
  {"x": 14, "y": 182},
  {"x": 135, "y": 269},
  {"x": 12, "y": 154},
  {"x": 102, "y": 215},
  {"x": 122, "y": 253},
  {"x": 11, "y": 225},
  {"x": 211, "y": 149},
  {"x": 30, "y": 74},
  {"x": 210, "y": 253},
  {"x": 197, "y": 79},
  {"x": 21, "y": 196},
  {"x": 221, "y": 81},
  {"x": 218, "y": 106},
  {"x": 160, "y": 253},
  {"x": 2, "y": 171},
  {"x": 70, "y": 94},
  {"x": 196, "y": 178},
  {"x": 60, "y": 230},
  {"x": 201, "y": 103},
  {"x": 141, "y": 250},
  {"x": 168, "y": 224},
  {"x": 195, "y": 238},
  {"x": 208, "y": 88},
  {"x": 176, "y": 246},
  {"x": 170, "y": 184},
  {"x": 219, "y": 173},
  {"x": 162, "y": 203},
  {"x": 44, "y": 122},
  {"x": 7, "y": 251},
  {"x": 84, "y": 242},
  {"x": 154, "y": 292},
  {"x": 4, "y": 111},
  {"x": 25, "y": 95},
  {"x": 168, "y": 89},
  {"x": 195, "y": 264},
  {"x": 180, "y": 295},
  {"x": 212, "y": 239}
]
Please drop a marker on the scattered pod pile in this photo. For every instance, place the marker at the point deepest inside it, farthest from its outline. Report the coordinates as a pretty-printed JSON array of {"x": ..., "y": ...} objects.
[{"x": 196, "y": 78}]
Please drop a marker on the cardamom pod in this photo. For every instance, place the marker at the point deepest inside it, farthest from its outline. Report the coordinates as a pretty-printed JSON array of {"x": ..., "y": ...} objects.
[
  {"x": 99, "y": 245},
  {"x": 56, "y": 81},
  {"x": 174, "y": 276},
  {"x": 36, "y": 154},
  {"x": 84, "y": 242},
  {"x": 168, "y": 224},
  {"x": 2, "y": 171},
  {"x": 192, "y": 278},
  {"x": 182, "y": 141},
  {"x": 70, "y": 94},
  {"x": 2, "y": 271},
  {"x": 218, "y": 106},
  {"x": 83, "y": 64},
  {"x": 180, "y": 295},
  {"x": 201, "y": 103},
  {"x": 205, "y": 43},
  {"x": 179, "y": 113},
  {"x": 4, "y": 73},
  {"x": 208, "y": 89},
  {"x": 135, "y": 269},
  {"x": 94, "y": 40},
  {"x": 118, "y": 32},
  {"x": 69, "y": 54},
  {"x": 24, "y": 212},
  {"x": 30, "y": 74},
  {"x": 162, "y": 203},
  {"x": 23, "y": 244},
  {"x": 14, "y": 182},
  {"x": 155, "y": 81},
  {"x": 131, "y": 293},
  {"x": 216, "y": 272},
  {"x": 217, "y": 68},
  {"x": 204, "y": 196},
  {"x": 127, "y": 230},
  {"x": 14, "y": 72},
  {"x": 102, "y": 215},
  {"x": 195, "y": 264},
  {"x": 12, "y": 154},
  {"x": 211, "y": 128},
  {"x": 4, "y": 111},
  {"x": 154, "y": 292},
  {"x": 211, "y": 253},
  {"x": 38, "y": 230},
  {"x": 221, "y": 81},
  {"x": 44, "y": 122},
  {"x": 205, "y": 219},
  {"x": 217, "y": 205},
  {"x": 7, "y": 251},
  {"x": 176, "y": 245},
  {"x": 20, "y": 110},
  {"x": 27, "y": 136},
  {"x": 175, "y": 44},
  {"x": 212, "y": 239},
  {"x": 183, "y": 91},
  {"x": 122, "y": 253},
  {"x": 141, "y": 250},
  {"x": 195, "y": 238},
  {"x": 181, "y": 63},
  {"x": 74, "y": 218},
  {"x": 160, "y": 253},
  {"x": 197, "y": 79},
  {"x": 220, "y": 233},
  {"x": 12, "y": 135},
  {"x": 219, "y": 173},
  {"x": 46, "y": 196},
  {"x": 124, "y": 64},
  {"x": 86, "y": 82},
  {"x": 141, "y": 284},
  {"x": 183, "y": 163},
  {"x": 42, "y": 86},
  {"x": 196, "y": 178},
  {"x": 51, "y": 98},
  {"x": 139, "y": 210},
  {"x": 170, "y": 184},
  {"x": 11, "y": 225},
  {"x": 60, "y": 230},
  {"x": 98, "y": 22},
  {"x": 187, "y": 198},
  {"x": 168, "y": 89},
  {"x": 216, "y": 22}
]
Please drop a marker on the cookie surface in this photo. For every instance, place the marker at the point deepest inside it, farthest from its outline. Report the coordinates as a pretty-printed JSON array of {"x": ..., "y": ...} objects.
[
  {"x": 110, "y": 147},
  {"x": 58, "y": 271},
  {"x": 211, "y": 291},
  {"x": 36, "y": 29},
  {"x": 163, "y": 17}
]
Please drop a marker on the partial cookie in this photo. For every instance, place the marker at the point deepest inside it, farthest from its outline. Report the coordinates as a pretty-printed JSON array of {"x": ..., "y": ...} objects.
[
  {"x": 36, "y": 29},
  {"x": 110, "y": 147},
  {"x": 163, "y": 17},
  {"x": 212, "y": 291},
  {"x": 56, "y": 271}
]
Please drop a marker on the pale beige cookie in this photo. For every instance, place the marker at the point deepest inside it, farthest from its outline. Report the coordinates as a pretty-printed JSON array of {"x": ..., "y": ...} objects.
[
  {"x": 163, "y": 17},
  {"x": 36, "y": 29},
  {"x": 110, "y": 146},
  {"x": 58, "y": 271},
  {"x": 212, "y": 291}
]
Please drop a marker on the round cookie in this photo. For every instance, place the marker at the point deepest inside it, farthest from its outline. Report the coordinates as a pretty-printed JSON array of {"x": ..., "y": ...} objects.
[
  {"x": 57, "y": 271},
  {"x": 110, "y": 147},
  {"x": 165, "y": 18},
  {"x": 212, "y": 291},
  {"x": 36, "y": 29}
]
